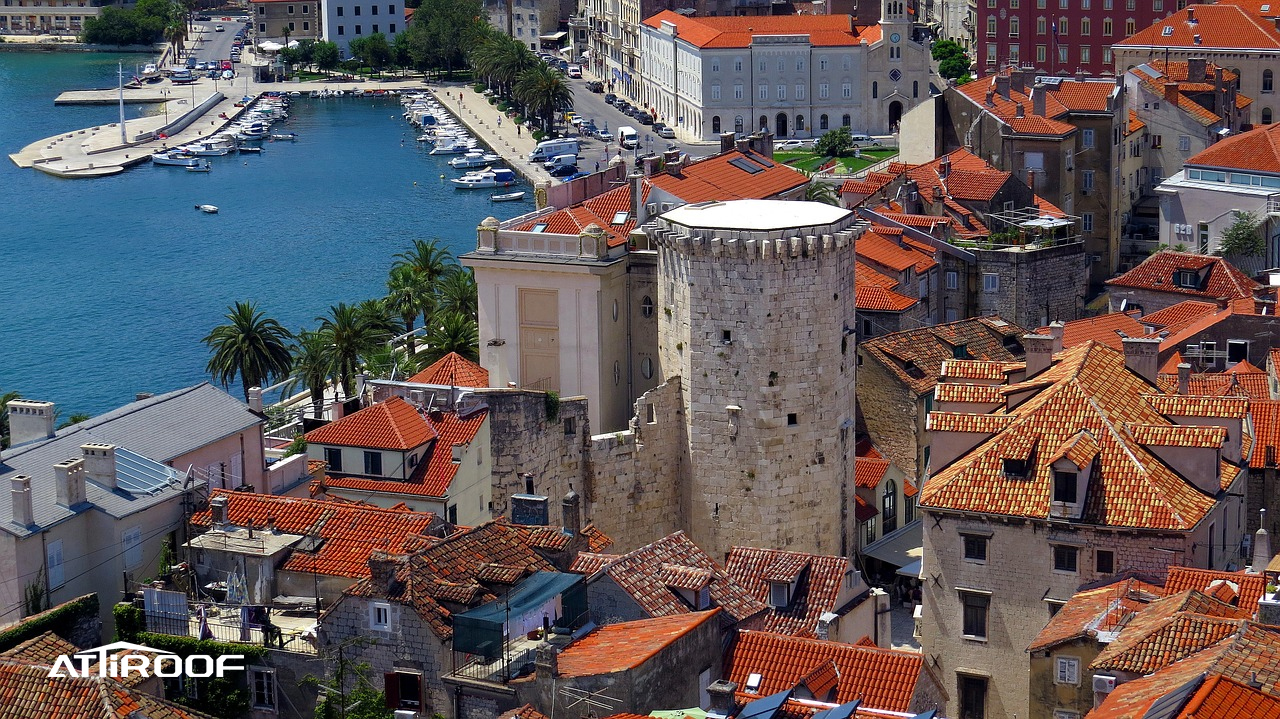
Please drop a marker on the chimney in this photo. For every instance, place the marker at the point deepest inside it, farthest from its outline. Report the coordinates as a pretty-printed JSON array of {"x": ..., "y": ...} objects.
[
  {"x": 991, "y": 98},
  {"x": 99, "y": 463},
  {"x": 650, "y": 164},
  {"x": 458, "y": 450},
  {"x": 1184, "y": 378},
  {"x": 1219, "y": 96},
  {"x": 1196, "y": 39},
  {"x": 546, "y": 661},
  {"x": 1195, "y": 69},
  {"x": 255, "y": 399},
  {"x": 720, "y": 698},
  {"x": 1142, "y": 356},
  {"x": 382, "y": 569},
  {"x": 944, "y": 167},
  {"x": 1191, "y": 14},
  {"x": 20, "y": 498},
  {"x": 636, "y": 179},
  {"x": 360, "y": 378},
  {"x": 571, "y": 508},
  {"x": 1018, "y": 80},
  {"x": 1056, "y": 330},
  {"x": 218, "y": 511},
  {"x": 726, "y": 142},
  {"x": 1039, "y": 353},
  {"x": 671, "y": 161},
  {"x": 742, "y": 144},
  {"x": 1079, "y": 75},
  {"x": 69, "y": 475},
  {"x": 1171, "y": 93},
  {"x": 1261, "y": 545},
  {"x": 765, "y": 144},
  {"x": 1002, "y": 86},
  {"x": 1038, "y": 94},
  {"x": 1019, "y": 110},
  {"x": 29, "y": 421}
]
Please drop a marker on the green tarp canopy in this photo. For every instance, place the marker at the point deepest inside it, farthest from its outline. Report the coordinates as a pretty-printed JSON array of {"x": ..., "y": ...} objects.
[{"x": 481, "y": 630}]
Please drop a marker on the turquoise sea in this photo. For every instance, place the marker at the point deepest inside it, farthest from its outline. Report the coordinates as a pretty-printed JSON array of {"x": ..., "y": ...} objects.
[{"x": 108, "y": 285}]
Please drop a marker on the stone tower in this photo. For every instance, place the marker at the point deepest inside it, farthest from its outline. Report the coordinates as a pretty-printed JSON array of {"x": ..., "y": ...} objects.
[{"x": 757, "y": 299}]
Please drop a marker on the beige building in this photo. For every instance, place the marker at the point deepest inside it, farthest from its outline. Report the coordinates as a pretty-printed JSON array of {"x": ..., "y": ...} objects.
[
  {"x": 1065, "y": 473},
  {"x": 299, "y": 19},
  {"x": 49, "y": 16}
]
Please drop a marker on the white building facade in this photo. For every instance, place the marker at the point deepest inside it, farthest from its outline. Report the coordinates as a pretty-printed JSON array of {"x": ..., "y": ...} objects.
[
  {"x": 796, "y": 76},
  {"x": 346, "y": 20}
]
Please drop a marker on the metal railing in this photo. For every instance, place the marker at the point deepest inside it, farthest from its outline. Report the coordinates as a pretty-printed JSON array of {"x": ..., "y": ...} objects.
[
  {"x": 498, "y": 671},
  {"x": 224, "y": 626}
]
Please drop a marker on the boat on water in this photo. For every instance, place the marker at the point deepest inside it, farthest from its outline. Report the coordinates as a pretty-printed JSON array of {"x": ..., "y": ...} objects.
[
  {"x": 175, "y": 158},
  {"x": 206, "y": 167},
  {"x": 474, "y": 159},
  {"x": 251, "y": 148},
  {"x": 284, "y": 136},
  {"x": 208, "y": 209},
  {"x": 211, "y": 147},
  {"x": 486, "y": 178},
  {"x": 508, "y": 197},
  {"x": 453, "y": 147}
]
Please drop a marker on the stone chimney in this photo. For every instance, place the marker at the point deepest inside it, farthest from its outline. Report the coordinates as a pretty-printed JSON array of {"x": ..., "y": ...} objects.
[
  {"x": 1038, "y": 97},
  {"x": 764, "y": 144},
  {"x": 1196, "y": 69},
  {"x": 546, "y": 661},
  {"x": 20, "y": 497},
  {"x": 1079, "y": 75},
  {"x": 742, "y": 144},
  {"x": 650, "y": 163},
  {"x": 726, "y": 142},
  {"x": 571, "y": 508},
  {"x": 636, "y": 180},
  {"x": 1039, "y": 353},
  {"x": 671, "y": 162},
  {"x": 218, "y": 511},
  {"x": 944, "y": 166},
  {"x": 1171, "y": 93},
  {"x": 1184, "y": 378},
  {"x": 1191, "y": 14},
  {"x": 29, "y": 421},
  {"x": 382, "y": 569},
  {"x": 255, "y": 399},
  {"x": 721, "y": 698},
  {"x": 99, "y": 463},
  {"x": 69, "y": 476},
  {"x": 991, "y": 98},
  {"x": 1142, "y": 356},
  {"x": 1002, "y": 86},
  {"x": 1219, "y": 94},
  {"x": 1019, "y": 110},
  {"x": 1056, "y": 330},
  {"x": 1018, "y": 80},
  {"x": 1261, "y": 545}
]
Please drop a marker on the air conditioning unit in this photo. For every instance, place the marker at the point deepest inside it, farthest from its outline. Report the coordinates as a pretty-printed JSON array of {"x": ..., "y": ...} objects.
[
  {"x": 651, "y": 208},
  {"x": 406, "y": 714},
  {"x": 1104, "y": 684},
  {"x": 418, "y": 397}
]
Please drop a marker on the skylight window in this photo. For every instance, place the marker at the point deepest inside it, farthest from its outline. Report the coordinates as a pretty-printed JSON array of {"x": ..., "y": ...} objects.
[
  {"x": 620, "y": 218},
  {"x": 753, "y": 682},
  {"x": 540, "y": 227},
  {"x": 746, "y": 165},
  {"x": 1166, "y": 32}
]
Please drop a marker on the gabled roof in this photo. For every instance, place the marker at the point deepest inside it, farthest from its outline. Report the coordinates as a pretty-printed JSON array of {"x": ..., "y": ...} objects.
[
  {"x": 1207, "y": 27},
  {"x": 1086, "y": 388},
  {"x": 1223, "y": 698},
  {"x": 1257, "y": 150},
  {"x": 626, "y": 645},
  {"x": 453, "y": 370},
  {"x": 876, "y": 248},
  {"x": 1248, "y": 587},
  {"x": 1103, "y": 328},
  {"x": 869, "y": 471},
  {"x": 725, "y": 31},
  {"x": 349, "y": 532},
  {"x": 42, "y": 649},
  {"x": 1266, "y": 433},
  {"x": 818, "y": 581},
  {"x": 970, "y": 177},
  {"x": 1006, "y": 109},
  {"x": 883, "y": 679},
  {"x": 1167, "y": 631},
  {"x": 878, "y": 299},
  {"x": 1094, "y": 611},
  {"x": 1155, "y": 74},
  {"x": 390, "y": 424},
  {"x": 916, "y": 356},
  {"x": 1240, "y": 380},
  {"x": 1218, "y": 278},
  {"x": 1175, "y": 318},
  {"x": 639, "y": 574},
  {"x": 27, "y": 692}
]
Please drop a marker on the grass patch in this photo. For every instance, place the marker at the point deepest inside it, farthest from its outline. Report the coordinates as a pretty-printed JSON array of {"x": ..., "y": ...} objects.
[{"x": 810, "y": 162}]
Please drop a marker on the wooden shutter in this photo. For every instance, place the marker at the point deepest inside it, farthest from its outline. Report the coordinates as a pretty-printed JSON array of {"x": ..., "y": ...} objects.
[{"x": 391, "y": 688}]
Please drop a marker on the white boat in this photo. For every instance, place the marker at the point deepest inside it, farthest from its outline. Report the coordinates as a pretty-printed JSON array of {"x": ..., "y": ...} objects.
[
  {"x": 206, "y": 167},
  {"x": 453, "y": 147},
  {"x": 474, "y": 159},
  {"x": 508, "y": 197},
  {"x": 251, "y": 148},
  {"x": 486, "y": 178},
  {"x": 211, "y": 147},
  {"x": 210, "y": 209},
  {"x": 175, "y": 158},
  {"x": 284, "y": 136}
]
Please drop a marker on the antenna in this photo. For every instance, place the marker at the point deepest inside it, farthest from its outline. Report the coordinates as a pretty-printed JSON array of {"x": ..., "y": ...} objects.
[{"x": 591, "y": 700}]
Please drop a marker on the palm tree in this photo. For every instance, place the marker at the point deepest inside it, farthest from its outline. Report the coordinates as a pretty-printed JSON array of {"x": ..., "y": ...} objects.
[
  {"x": 75, "y": 418},
  {"x": 408, "y": 295},
  {"x": 822, "y": 192},
  {"x": 429, "y": 260},
  {"x": 456, "y": 292},
  {"x": 452, "y": 332},
  {"x": 251, "y": 346},
  {"x": 5, "y": 399},
  {"x": 350, "y": 335},
  {"x": 312, "y": 367},
  {"x": 543, "y": 92},
  {"x": 390, "y": 363}
]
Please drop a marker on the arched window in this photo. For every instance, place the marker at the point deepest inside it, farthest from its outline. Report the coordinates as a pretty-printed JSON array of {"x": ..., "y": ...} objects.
[
  {"x": 823, "y": 123},
  {"x": 846, "y": 121},
  {"x": 646, "y": 306},
  {"x": 764, "y": 122},
  {"x": 799, "y": 123},
  {"x": 1266, "y": 80},
  {"x": 738, "y": 124},
  {"x": 875, "y": 90},
  {"x": 889, "y": 506},
  {"x": 715, "y": 124},
  {"x": 1266, "y": 116},
  {"x": 915, "y": 88}
]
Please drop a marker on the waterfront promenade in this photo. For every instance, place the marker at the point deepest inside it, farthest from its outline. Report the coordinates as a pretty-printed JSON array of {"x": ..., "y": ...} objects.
[{"x": 481, "y": 118}]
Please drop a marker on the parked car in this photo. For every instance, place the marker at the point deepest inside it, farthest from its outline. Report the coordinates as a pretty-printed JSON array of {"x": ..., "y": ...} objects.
[
  {"x": 610, "y": 98},
  {"x": 219, "y": 28},
  {"x": 595, "y": 86},
  {"x": 226, "y": 64},
  {"x": 864, "y": 141},
  {"x": 228, "y": 75},
  {"x": 789, "y": 145},
  {"x": 203, "y": 18},
  {"x": 564, "y": 171},
  {"x": 576, "y": 175},
  {"x": 667, "y": 133},
  {"x": 644, "y": 118},
  {"x": 604, "y": 135}
]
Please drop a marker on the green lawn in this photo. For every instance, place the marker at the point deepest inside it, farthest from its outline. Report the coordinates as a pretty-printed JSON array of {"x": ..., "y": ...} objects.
[{"x": 809, "y": 161}]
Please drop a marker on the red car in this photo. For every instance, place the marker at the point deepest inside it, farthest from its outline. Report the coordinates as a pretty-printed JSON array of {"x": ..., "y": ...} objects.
[{"x": 226, "y": 64}]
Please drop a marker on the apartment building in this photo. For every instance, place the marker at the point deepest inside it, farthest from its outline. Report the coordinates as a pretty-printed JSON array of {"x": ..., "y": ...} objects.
[
  {"x": 345, "y": 20},
  {"x": 278, "y": 18}
]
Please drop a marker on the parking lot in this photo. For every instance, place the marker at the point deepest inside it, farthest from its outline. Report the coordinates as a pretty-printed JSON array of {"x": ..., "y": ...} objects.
[{"x": 213, "y": 46}]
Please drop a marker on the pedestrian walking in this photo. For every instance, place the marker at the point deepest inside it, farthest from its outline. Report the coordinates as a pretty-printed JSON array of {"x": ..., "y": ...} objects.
[
  {"x": 597, "y": 165},
  {"x": 517, "y": 129},
  {"x": 499, "y": 120}
]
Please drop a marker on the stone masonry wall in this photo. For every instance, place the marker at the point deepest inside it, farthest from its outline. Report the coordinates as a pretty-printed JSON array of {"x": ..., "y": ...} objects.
[
  {"x": 1263, "y": 493},
  {"x": 889, "y": 409},
  {"x": 609, "y": 604},
  {"x": 1034, "y": 285}
]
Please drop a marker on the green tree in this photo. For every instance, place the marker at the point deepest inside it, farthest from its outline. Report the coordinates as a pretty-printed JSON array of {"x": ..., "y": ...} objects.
[
  {"x": 75, "y": 418},
  {"x": 448, "y": 28},
  {"x": 823, "y": 192},
  {"x": 452, "y": 332},
  {"x": 944, "y": 49},
  {"x": 5, "y": 399},
  {"x": 373, "y": 50},
  {"x": 409, "y": 294},
  {"x": 118, "y": 26},
  {"x": 402, "y": 52},
  {"x": 390, "y": 363},
  {"x": 250, "y": 346},
  {"x": 543, "y": 91},
  {"x": 1242, "y": 238},
  {"x": 350, "y": 335},
  {"x": 834, "y": 143},
  {"x": 325, "y": 55},
  {"x": 456, "y": 292},
  {"x": 348, "y": 693},
  {"x": 313, "y": 367},
  {"x": 429, "y": 260}
]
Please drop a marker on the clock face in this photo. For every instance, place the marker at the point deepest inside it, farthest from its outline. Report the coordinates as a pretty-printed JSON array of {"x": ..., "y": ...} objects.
[{"x": 895, "y": 37}]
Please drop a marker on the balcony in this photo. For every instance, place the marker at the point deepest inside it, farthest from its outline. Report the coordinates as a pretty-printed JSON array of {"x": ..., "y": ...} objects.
[
  {"x": 290, "y": 625},
  {"x": 1273, "y": 204}
]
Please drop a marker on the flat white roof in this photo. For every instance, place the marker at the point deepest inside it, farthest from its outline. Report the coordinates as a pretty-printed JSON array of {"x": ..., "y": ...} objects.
[{"x": 756, "y": 215}]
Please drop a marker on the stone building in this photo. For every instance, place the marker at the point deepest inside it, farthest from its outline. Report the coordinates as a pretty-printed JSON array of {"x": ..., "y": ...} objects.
[
  {"x": 1050, "y": 477},
  {"x": 299, "y": 19},
  {"x": 1168, "y": 278}
]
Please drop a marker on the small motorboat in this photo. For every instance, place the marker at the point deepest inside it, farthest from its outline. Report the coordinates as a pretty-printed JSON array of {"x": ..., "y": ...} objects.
[
  {"x": 474, "y": 159},
  {"x": 251, "y": 148},
  {"x": 453, "y": 147},
  {"x": 508, "y": 197},
  {"x": 208, "y": 209},
  {"x": 175, "y": 158},
  {"x": 284, "y": 136},
  {"x": 206, "y": 167},
  {"x": 486, "y": 178}
]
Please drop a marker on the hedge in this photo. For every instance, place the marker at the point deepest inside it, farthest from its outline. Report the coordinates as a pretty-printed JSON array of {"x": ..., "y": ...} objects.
[{"x": 60, "y": 620}]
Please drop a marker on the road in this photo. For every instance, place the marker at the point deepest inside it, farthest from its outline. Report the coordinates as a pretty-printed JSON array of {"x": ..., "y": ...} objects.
[
  {"x": 212, "y": 45},
  {"x": 593, "y": 107}
]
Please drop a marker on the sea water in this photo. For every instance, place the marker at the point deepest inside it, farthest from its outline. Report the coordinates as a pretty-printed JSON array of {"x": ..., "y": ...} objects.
[{"x": 108, "y": 285}]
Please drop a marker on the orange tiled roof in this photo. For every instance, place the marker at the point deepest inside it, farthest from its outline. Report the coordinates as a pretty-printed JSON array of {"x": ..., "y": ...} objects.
[
  {"x": 1258, "y": 149},
  {"x": 1223, "y": 698},
  {"x": 1215, "y": 27},
  {"x": 1006, "y": 109},
  {"x": 1092, "y": 611},
  {"x": 1175, "y": 317},
  {"x": 710, "y": 32},
  {"x": 453, "y": 370},
  {"x": 350, "y": 531},
  {"x": 1240, "y": 380},
  {"x": 1266, "y": 433},
  {"x": 717, "y": 178},
  {"x": 866, "y": 276},
  {"x": 435, "y": 470},
  {"x": 978, "y": 369},
  {"x": 968, "y": 393},
  {"x": 1218, "y": 278},
  {"x": 27, "y": 692},
  {"x": 626, "y": 645},
  {"x": 1135, "y": 123},
  {"x": 1250, "y": 587},
  {"x": 1102, "y": 328},
  {"x": 1169, "y": 630},
  {"x": 883, "y": 679},
  {"x": 916, "y": 356},
  {"x": 1192, "y": 406},
  {"x": 878, "y": 299},
  {"x": 869, "y": 472},
  {"x": 876, "y": 248},
  {"x": 818, "y": 581},
  {"x": 525, "y": 712},
  {"x": 1087, "y": 388},
  {"x": 391, "y": 424},
  {"x": 970, "y": 177}
]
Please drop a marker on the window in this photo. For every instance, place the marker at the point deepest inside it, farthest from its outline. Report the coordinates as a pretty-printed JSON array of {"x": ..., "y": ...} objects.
[
  {"x": 264, "y": 689},
  {"x": 846, "y": 90},
  {"x": 822, "y": 63},
  {"x": 1157, "y": 140},
  {"x": 374, "y": 9},
  {"x": 1237, "y": 351},
  {"x": 990, "y": 282},
  {"x": 1266, "y": 116},
  {"x": 1062, "y": 54},
  {"x": 800, "y": 65},
  {"x": 291, "y": 27},
  {"x": 1130, "y": 26},
  {"x": 975, "y": 614},
  {"x": 1105, "y": 561},
  {"x": 792, "y": 419},
  {"x": 306, "y": 25},
  {"x": 846, "y": 121},
  {"x": 289, "y": 10},
  {"x": 953, "y": 279},
  {"x": 973, "y": 695},
  {"x": 53, "y": 563},
  {"x": 1041, "y": 53},
  {"x": 782, "y": 92},
  {"x": 373, "y": 463},
  {"x": 764, "y": 67},
  {"x": 380, "y": 616},
  {"x": 737, "y": 92},
  {"x": 306, "y": 9},
  {"x": 764, "y": 92},
  {"x": 824, "y": 90},
  {"x": 823, "y": 122},
  {"x": 339, "y": 11},
  {"x": 262, "y": 10},
  {"x": 1067, "y": 671},
  {"x": 975, "y": 547},
  {"x": 1157, "y": 5},
  {"x": 779, "y": 594},
  {"x": 1107, "y": 26},
  {"x": 1042, "y": 26},
  {"x": 739, "y": 124},
  {"x": 800, "y": 94},
  {"x": 1063, "y": 26},
  {"x": 1065, "y": 487},
  {"x": 262, "y": 26},
  {"x": 715, "y": 65},
  {"x": 991, "y": 26},
  {"x": 1184, "y": 143},
  {"x": 737, "y": 64},
  {"x": 359, "y": 31},
  {"x": 403, "y": 690},
  {"x": 357, "y": 11},
  {"x": 1086, "y": 221},
  {"x": 1086, "y": 180},
  {"x": 800, "y": 123},
  {"x": 889, "y": 506},
  {"x": 1267, "y": 80},
  {"x": 1084, "y": 53},
  {"x": 715, "y": 92},
  {"x": 1064, "y": 558},
  {"x": 1014, "y": 26},
  {"x": 1087, "y": 138},
  {"x": 333, "y": 455},
  {"x": 131, "y": 539},
  {"x": 1203, "y": 236}
]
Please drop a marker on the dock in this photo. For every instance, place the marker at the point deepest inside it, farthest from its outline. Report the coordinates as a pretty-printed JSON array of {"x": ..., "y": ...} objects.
[
  {"x": 473, "y": 110},
  {"x": 151, "y": 93}
]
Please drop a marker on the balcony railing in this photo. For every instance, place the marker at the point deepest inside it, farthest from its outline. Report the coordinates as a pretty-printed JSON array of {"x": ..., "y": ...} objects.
[
  {"x": 223, "y": 622},
  {"x": 498, "y": 671},
  {"x": 1273, "y": 205}
]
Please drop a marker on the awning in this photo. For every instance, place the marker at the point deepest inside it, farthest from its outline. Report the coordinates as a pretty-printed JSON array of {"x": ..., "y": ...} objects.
[
  {"x": 899, "y": 547},
  {"x": 862, "y": 509},
  {"x": 553, "y": 36},
  {"x": 481, "y": 630},
  {"x": 914, "y": 570}
]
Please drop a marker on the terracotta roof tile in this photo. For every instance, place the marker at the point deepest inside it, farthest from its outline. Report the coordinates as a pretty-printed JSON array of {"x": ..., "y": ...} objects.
[
  {"x": 864, "y": 275},
  {"x": 1167, "y": 631},
  {"x": 1250, "y": 382},
  {"x": 878, "y": 299},
  {"x": 1164, "y": 435},
  {"x": 1006, "y": 109},
  {"x": 1223, "y": 698},
  {"x": 436, "y": 469},
  {"x": 391, "y": 424},
  {"x": 1089, "y": 612},
  {"x": 1266, "y": 433},
  {"x": 1215, "y": 26},
  {"x": 1103, "y": 328},
  {"x": 1218, "y": 278},
  {"x": 876, "y": 248},
  {"x": 1175, "y": 317},
  {"x": 978, "y": 369},
  {"x": 863, "y": 510},
  {"x": 453, "y": 370},
  {"x": 711, "y": 32},
  {"x": 1250, "y": 587},
  {"x": 916, "y": 356},
  {"x": 717, "y": 178},
  {"x": 525, "y": 712},
  {"x": 869, "y": 472},
  {"x": 592, "y": 562},
  {"x": 1135, "y": 123},
  {"x": 26, "y": 692},
  {"x": 1173, "y": 405},
  {"x": 818, "y": 581},
  {"x": 883, "y": 679},
  {"x": 42, "y": 649},
  {"x": 1258, "y": 149},
  {"x": 626, "y": 645}
]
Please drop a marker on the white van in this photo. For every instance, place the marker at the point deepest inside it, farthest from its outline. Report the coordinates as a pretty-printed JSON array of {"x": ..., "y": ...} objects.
[
  {"x": 560, "y": 161},
  {"x": 548, "y": 149},
  {"x": 628, "y": 137}
]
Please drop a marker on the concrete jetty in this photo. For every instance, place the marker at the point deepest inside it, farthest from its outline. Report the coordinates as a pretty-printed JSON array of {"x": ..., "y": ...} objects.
[
  {"x": 150, "y": 93},
  {"x": 473, "y": 110}
]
